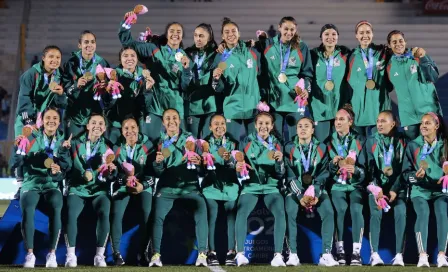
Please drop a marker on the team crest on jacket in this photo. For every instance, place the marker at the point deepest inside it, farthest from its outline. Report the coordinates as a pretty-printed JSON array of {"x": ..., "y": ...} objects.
[
  {"x": 292, "y": 61},
  {"x": 336, "y": 62},
  {"x": 413, "y": 69},
  {"x": 250, "y": 63},
  {"x": 175, "y": 68},
  {"x": 380, "y": 65}
]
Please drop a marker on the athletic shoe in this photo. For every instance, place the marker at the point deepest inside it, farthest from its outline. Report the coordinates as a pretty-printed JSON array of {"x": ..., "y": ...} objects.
[
  {"x": 118, "y": 260},
  {"x": 423, "y": 261},
  {"x": 99, "y": 261},
  {"x": 30, "y": 260},
  {"x": 356, "y": 260},
  {"x": 398, "y": 260},
  {"x": 340, "y": 258},
  {"x": 293, "y": 260},
  {"x": 327, "y": 259},
  {"x": 241, "y": 259},
  {"x": 71, "y": 260},
  {"x": 51, "y": 260},
  {"x": 375, "y": 259},
  {"x": 442, "y": 261},
  {"x": 230, "y": 259},
  {"x": 212, "y": 260},
  {"x": 201, "y": 260},
  {"x": 155, "y": 260},
  {"x": 278, "y": 261}
]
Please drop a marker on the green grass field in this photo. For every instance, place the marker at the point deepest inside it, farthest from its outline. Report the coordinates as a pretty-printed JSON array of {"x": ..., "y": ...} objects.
[{"x": 251, "y": 268}]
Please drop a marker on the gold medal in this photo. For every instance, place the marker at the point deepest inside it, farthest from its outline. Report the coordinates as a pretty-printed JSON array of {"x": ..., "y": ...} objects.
[
  {"x": 88, "y": 176},
  {"x": 424, "y": 165},
  {"x": 166, "y": 152},
  {"x": 146, "y": 73},
  {"x": 178, "y": 56},
  {"x": 329, "y": 85},
  {"x": 221, "y": 151},
  {"x": 48, "y": 162},
  {"x": 88, "y": 76},
  {"x": 388, "y": 171},
  {"x": 52, "y": 85},
  {"x": 370, "y": 84},
  {"x": 307, "y": 179},
  {"x": 222, "y": 66},
  {"x": 271, "y": 155},
  {"x": 282, "y": 78}
]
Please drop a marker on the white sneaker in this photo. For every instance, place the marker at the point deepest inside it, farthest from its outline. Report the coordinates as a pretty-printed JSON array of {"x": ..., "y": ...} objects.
[
  {"x": 375, "y": 259},
  {"x": 99, "y": 261},
  {"x": 327, "y": 259},
  {"x": 51, "y": 260},
  {"x": 71, "y": 260},
  {"x": 30, "y": 260},
  {"x": 201, "y": 260},
  {"x": 423, "y": 261},
  {"x": 277, "y": 261},
  {"x": 398, "y": 260},
  {"x": 442, "y": 261},
  {"x": 293, "y": 260},
  {"x": 155, "y": 260},
  {"x": 241, "y": 259}
]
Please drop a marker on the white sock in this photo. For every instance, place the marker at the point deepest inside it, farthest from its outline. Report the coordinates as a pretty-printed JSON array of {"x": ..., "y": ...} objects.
[
  {"x": 340, "y": 247},
  {"x": 356, "y": 247},
  {"x": 71, "y": 250},
  {"x": 100, "y": 251}
]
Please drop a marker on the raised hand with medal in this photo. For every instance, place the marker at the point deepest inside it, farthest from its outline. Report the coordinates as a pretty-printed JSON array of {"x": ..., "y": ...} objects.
[
  {"x": 387, "y": 170},
  {"x": 270, "y": 146},
  {"x": 368, "y": 63},
  {"x": 282, "y": 78},
  {"x": 167, "y": 142},
  {"x": 424, "y": 165},
  {"x": 53, "y": 85},
  {"x": 306, "y": 162},
  {"x": 222, "y": 146}
]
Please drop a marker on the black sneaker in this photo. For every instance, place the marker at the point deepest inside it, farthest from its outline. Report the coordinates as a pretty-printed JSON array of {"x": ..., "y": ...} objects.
[
  {"x": 118, "y": 260},
  {"x": 143, "y": 259},
  {"x": 340, "y": 258},
  {"x": 356, "y": 259},
  {"x": 212, "y": 260},
  {"x": 230, "y": 259}
]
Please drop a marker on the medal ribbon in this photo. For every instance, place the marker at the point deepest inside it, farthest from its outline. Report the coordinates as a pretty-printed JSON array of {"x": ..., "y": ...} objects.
[
  {"x": 330, "y": 63},
  {"x": 46, "y": 77},
  {"x": 89, "y": 153},
  {"x": 368, "y": 63},
  {"x": 199, "y": 62},
  {"x": 49, "y": 147},
  {"x": 284, "y": 59},
  {"x": 426, "y": 152},
  {"x": 167, "y": 142},
  {"x": 136, "y": 77},
  {"x": 306, "y": 161},
  {"x": 215, "y": 144},
  {"x": 130, "y": 153},
  {"x": 227, "y": 53},
  {"x": 83, "y": 71},
  {"x": 269, "y": 145},
  {"x": 388, "y": 153},
  {"x": 342, "y": 149}
]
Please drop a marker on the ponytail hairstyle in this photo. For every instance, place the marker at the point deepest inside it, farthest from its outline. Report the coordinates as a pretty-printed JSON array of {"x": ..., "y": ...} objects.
[
  {"x": 442, "y": 133},
  {"x": 349, "y": 110},
  {"x": 295, "y": 41},
  {"x": 211, "y": 43},
  {"x": 228, "y": 21},
  {"x": 393, "y": 117}
]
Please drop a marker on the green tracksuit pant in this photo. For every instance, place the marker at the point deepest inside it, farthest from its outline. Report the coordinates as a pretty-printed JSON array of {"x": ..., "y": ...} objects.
[
  {"x": 229, "y": 207},
  {"x": 340, "y": 203}
]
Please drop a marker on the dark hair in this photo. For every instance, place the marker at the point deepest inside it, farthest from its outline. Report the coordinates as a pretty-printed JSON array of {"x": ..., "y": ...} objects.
[
  {"x": 214, "y": 116},
  {"x": 96, "y": 114},
  {"x": 211, "y": 40},
  {"x": 228, "y": 21},
  {"x": 273, "y": 131},
  {"x": 84, "y": 33},
  {"x": 123, "y": 49},
  {"x": 129, "y": 118},
  {"x": 49, "y": 109},
  {"x": 295, "y": 41},
  {"x": 306, "y": 118},
  {"x": 394, "y": 32},
  {"x": 163, "y": 39},
  {"x": 172, "y": 109},
  {"x": 394, "y": 118},
  {"x": 50, "y": 47}
]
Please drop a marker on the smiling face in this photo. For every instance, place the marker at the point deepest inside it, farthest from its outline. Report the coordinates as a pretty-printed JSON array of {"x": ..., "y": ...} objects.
[
  {"x": 364, "y": 35},
  {"x": 52, "y": 59},
  {"x": 96, "y": 126},
  {"x": 171, "y": 121},
  {"x": 51, "y": 121},
  {"x": 88, "y": 44},
  {"x": 129, "y": 59},
  {"x": 264, "y": 125},
  {"x": 428, "y": 127},
  {"x": 174, "y": 35},
  {"x": 218, "y": 126},
  {"x": 397, "y": 44},
  {"x": 305, "y": 129},
  {"x": 129, "y": 129},
  {"x": 342, "y": 122},
  {"x": 287, "y": 30},
  {"x": 330, "y": 37},
  {"x": 230, "y": 35},
  {"x": 384, "y": 123},
  {"x": 201, "y": 37}
]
